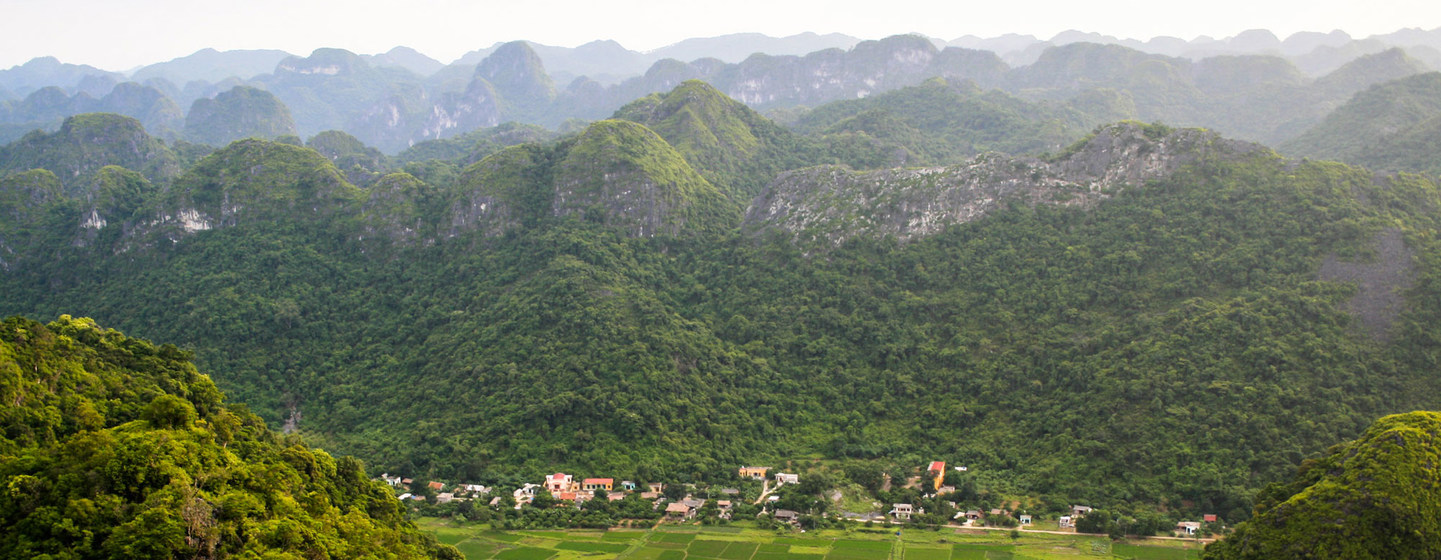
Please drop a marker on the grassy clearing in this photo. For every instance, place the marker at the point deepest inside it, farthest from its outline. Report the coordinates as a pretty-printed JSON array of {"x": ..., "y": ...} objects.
[{"x": 622, "y": 536}]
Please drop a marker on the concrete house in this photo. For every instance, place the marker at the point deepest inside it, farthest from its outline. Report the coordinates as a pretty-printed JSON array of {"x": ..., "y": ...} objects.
[
  {"x": 937, "y": 470},
  {"x": 1188, "y": 528},
  {"x": 1066, "y": 522},
  {"x": 784, "y": 478},
  {"x": 901, "y": 511},
  {"x": 757, "y": 473},
  {"x": 627, "y": 485},
  {"x": 559, "y": 482},
  {"x": 786, "y": 516},
  {"x": 1080, "y": 511},
  {"x": 593, "y": 484}
]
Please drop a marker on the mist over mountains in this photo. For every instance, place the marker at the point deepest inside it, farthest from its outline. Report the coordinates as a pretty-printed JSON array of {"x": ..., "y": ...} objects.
[{"x": 400, "y": 98}]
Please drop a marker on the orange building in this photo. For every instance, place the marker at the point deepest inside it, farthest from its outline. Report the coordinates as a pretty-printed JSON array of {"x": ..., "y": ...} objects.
[{"x": 937, "y": 470}]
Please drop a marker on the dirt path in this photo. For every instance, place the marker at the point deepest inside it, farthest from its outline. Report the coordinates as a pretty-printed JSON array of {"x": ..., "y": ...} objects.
[{"x": 765, "y": 489}]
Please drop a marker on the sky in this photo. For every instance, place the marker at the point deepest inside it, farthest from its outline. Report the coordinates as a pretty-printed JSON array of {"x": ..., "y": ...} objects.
[{"x": 124, "y": 34}]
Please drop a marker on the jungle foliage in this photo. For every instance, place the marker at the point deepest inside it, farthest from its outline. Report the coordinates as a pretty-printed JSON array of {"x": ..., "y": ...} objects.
[{"x": 114, "y": 447}]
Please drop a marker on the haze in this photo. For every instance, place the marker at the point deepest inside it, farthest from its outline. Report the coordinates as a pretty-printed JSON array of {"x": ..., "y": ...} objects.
[{"x": 123, "y": 35}]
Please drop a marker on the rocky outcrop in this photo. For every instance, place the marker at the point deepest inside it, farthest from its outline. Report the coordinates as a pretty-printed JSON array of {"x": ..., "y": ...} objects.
[{"x": 831, "y": 204}]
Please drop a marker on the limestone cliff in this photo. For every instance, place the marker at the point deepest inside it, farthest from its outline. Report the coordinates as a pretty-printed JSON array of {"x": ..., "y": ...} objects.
[{"x": 832, "y": 203}]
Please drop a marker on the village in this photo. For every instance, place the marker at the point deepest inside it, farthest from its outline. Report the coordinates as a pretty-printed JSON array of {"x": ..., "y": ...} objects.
[{"x": 780, "y": 502}]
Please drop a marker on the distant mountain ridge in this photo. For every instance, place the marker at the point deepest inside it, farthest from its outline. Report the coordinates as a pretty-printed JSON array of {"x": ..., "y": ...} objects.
[{"x": 400, "y": 98}]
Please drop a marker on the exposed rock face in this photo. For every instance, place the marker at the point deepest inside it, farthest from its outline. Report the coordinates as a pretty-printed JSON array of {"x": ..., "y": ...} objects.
[{"x": 832, "y": 203}]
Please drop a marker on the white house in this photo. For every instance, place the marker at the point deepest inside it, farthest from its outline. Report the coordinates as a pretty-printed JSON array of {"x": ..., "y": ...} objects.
[{"x": 784, "y": 478}]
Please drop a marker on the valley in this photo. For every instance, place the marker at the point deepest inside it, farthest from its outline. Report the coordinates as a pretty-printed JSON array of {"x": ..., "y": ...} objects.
[{"x": 1194, "y": 290}]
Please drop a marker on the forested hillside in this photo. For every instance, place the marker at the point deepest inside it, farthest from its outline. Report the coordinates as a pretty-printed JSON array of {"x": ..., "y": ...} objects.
[
  {"x": 1369, "y": 498},
  {"x": 114, "y": 447},
  {"x": 1149, "y": 316}
]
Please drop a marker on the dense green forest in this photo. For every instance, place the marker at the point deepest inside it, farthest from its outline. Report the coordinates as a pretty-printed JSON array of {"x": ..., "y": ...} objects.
[
  {"x": 114, "y": 447},
  {"x": 1180, "y": 343},
  {"x": 1370, "y": 498}
]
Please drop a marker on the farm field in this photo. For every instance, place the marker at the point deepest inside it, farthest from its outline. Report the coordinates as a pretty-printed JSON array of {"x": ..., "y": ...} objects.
[{"x": 738, "y": 542}]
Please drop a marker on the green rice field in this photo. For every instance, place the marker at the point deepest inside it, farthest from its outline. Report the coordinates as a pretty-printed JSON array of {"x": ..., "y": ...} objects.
[{"x": 742, "y": 541}]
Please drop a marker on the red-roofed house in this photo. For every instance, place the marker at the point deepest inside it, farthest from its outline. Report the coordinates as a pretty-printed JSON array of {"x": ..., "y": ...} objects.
[
  {"x": 437, "y": 486},
  {"x": 597, "y": 484},
  {"x": 1209, "y": 518},
  {"x": 559, "y": 482},
  {"x": 937, "y": 470}
]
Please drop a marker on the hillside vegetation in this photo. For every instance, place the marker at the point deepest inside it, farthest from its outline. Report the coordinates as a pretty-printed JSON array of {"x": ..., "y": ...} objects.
[
  {"x": 1151, "y": 316},
  {"x": 1370, "y": 498},
  {"x": 114, "y": 447}
]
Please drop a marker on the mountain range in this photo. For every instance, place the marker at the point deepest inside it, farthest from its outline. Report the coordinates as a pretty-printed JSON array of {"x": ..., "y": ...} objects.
[{"x": 1253, "y": 86}]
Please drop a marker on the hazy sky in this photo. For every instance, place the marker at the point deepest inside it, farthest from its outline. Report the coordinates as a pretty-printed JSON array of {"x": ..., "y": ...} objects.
[{"x": 122, "y": 34}]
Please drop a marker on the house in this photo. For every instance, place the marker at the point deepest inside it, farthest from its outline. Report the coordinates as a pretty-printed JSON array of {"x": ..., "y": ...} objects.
[
  {"x": 1025, "y": 520},
  {"x": 559, "y": 482},
  {"x": 1188, "y": 528},
  {"x": 945, "y": 489},
  {"x": 783, "y": 478},
  {"x": 649, "y": 495},
  {"x": 627, "y": 485},
  {"x": 679, "y": 510},
  {"x": 391, "y": 480},
  {"x": 495, "y": 501},
  {"x": 597, "y": 484},
  {"x": 615, "y": 496},
  {"x": 773, "y": 498},
  {"x": 901, "y": 511},
  {"x": 404, "y": 497},
  {"x": 724, "y": 506},
  {"x": 786, "y": 516},
  {"x": 445, "y": 498},
  {"x": 583, "y": 497},
  {"x": 407, "y": 481},
  {"x": 436, "y": 486},
  {"x": 757, "y": 473},
  {"x": 938, "y": 471},
  {"x": 693, "y": 503},
  {"x": 657, "y": 487},
  {"x": 1000, "y": 512},
  {"x": 1080, "y": 511},
  {"x": 474, "y": 489},
  {"x": 1066, "y": 522},
  {"x": 1209, "y": 518},
  {"x": 564, "y": 496},
  {"x": 730, "y": 491},
  {"x": 973, "y": 514},
  {"x": 525, "y": 493}
]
